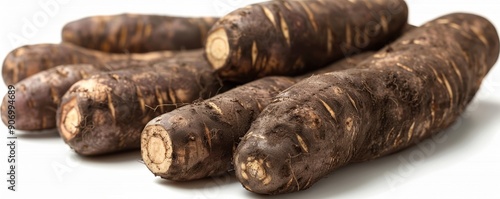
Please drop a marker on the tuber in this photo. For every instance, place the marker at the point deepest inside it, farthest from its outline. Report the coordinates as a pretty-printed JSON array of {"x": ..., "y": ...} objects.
[
  {"x": 38, "y": 96},
  {"x": 408, "y": 91},
  {"x": 107, "y": 112},
  {"x": 197, "y": 140},
  {"x": 291, "y": 37},
  {"x": 137, "y": 33},
  {"x": 28, "y": 60}
]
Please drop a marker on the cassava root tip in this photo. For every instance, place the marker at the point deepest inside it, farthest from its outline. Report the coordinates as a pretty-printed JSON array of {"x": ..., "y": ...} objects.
[
  {"x": 156, "y": 149},
  {"x": 217, "y": 50},
  {"x": 70, "y": 119}
]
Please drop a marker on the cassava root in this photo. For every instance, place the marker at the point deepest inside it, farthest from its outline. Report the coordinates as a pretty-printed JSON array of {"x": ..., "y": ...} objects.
[
  {"x": 135, "y": 33},
  {"x": 292, "y": 37},
  {"x": 197, "y": 140},
  {"x": 408, "y": 91}
]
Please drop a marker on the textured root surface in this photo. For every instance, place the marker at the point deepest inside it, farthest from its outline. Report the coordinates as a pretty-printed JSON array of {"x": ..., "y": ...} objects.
[
  {"x": 206, "y": 133},
  {"x": 135, "y": 33},
  {"x": 293, "y": 37},
  {"x": 423, "y": 82}
]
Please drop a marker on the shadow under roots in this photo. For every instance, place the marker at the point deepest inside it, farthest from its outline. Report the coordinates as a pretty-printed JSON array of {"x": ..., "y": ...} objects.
[
  {"x": 205, "y": 183},
  {"x": 126, "y": 156},
  {"x": 468, "y": 135},
  {"x": 41, "y": 134}
]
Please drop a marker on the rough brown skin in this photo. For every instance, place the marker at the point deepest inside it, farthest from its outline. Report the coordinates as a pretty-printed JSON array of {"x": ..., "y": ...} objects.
[
  {"x": 38, "y": 96},
  {"x": 107, "y": 112},
  {"x": 28, "y": 60},
  {"x": 291, "y": 37},
  {"x": 197, "y": 140},
  {"x": 135, "y": 33},
  {"x": 406, "y": 92}
]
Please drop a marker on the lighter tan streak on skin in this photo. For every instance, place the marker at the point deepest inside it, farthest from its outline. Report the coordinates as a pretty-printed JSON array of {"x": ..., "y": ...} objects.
[
  {"x": 437, "y": 75},
  {"x": 61, "y": 72},
  {"x": 404, "y": 67},
  {"x": 384, "y": 23},
  {"x": 389, "y": 135},
  {"x": 303, "y": 145},
  {"x": 310, "y": 15},
  {"x": 352, "y": 102},
  {"x": 329, "y": 43},
  {"x": 329, "y": 109},
  {"x": 289, "y": 183},
  {"x": 287, "y": 5},
  {"x": 209, "y": 137},
  {"x": 479, "y": 34},
  {"x": 443, "y": 21},
  {"x": 284, "y": 29},
  {"x": 410, "y": 132},
  {"x": 455, "y": 68},
  {"x": 215, "y": 107},
  {"x": 258, "y": 105},
  {"x": 255, "y": 53},
  {"x": 111, "y": 107},
  {"x": 141, "y": 99},
  {"x": 172, "y": 96},
  {"x": 55, "y": 96},
  {"x": 454, "y": 26},
  {"x": 83, "y": 74},
  {"x": 138, "y": 36},
  {"x": 159, "y": 98},
  {"x": 349, "y": 124},
  {"x": 398, "y": 137},
  {"x": 433, "y": 114},
  {"x": 269, "y": 15},
  {"x": 450, "y": 91}
]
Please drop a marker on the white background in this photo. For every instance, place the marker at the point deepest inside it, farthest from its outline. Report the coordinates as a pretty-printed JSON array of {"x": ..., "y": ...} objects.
[{"x": 463, "y": 162}]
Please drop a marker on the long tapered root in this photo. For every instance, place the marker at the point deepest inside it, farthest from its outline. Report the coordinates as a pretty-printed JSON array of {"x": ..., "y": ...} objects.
[
  {"x": 70, "y": 119},
  {"x": 156, "y": 149},
  {"x": 217, "y": 49}
]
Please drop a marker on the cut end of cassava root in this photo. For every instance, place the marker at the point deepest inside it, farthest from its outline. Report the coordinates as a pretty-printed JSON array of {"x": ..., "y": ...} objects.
[
  {"x": 156, "y": 149},
  {"x": 70, "y": 120},
  {"x": 217, "y": 49}
]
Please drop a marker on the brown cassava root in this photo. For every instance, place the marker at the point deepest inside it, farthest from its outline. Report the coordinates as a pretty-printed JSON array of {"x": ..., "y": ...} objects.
[
  {"x": 291, "y": 37},
  {"x": 410, "y": 90},
  {"x": 197, "y": 140},
  {"x": 107, "y": 112},
  {"x": 28, "y": 60},
  {"x": 137, "y": 33},
  {"x": 39, "y": 95}
]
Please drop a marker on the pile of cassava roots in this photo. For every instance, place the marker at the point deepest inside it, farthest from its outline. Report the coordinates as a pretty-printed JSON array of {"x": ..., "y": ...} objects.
[{"x": 279, "y": 93}]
